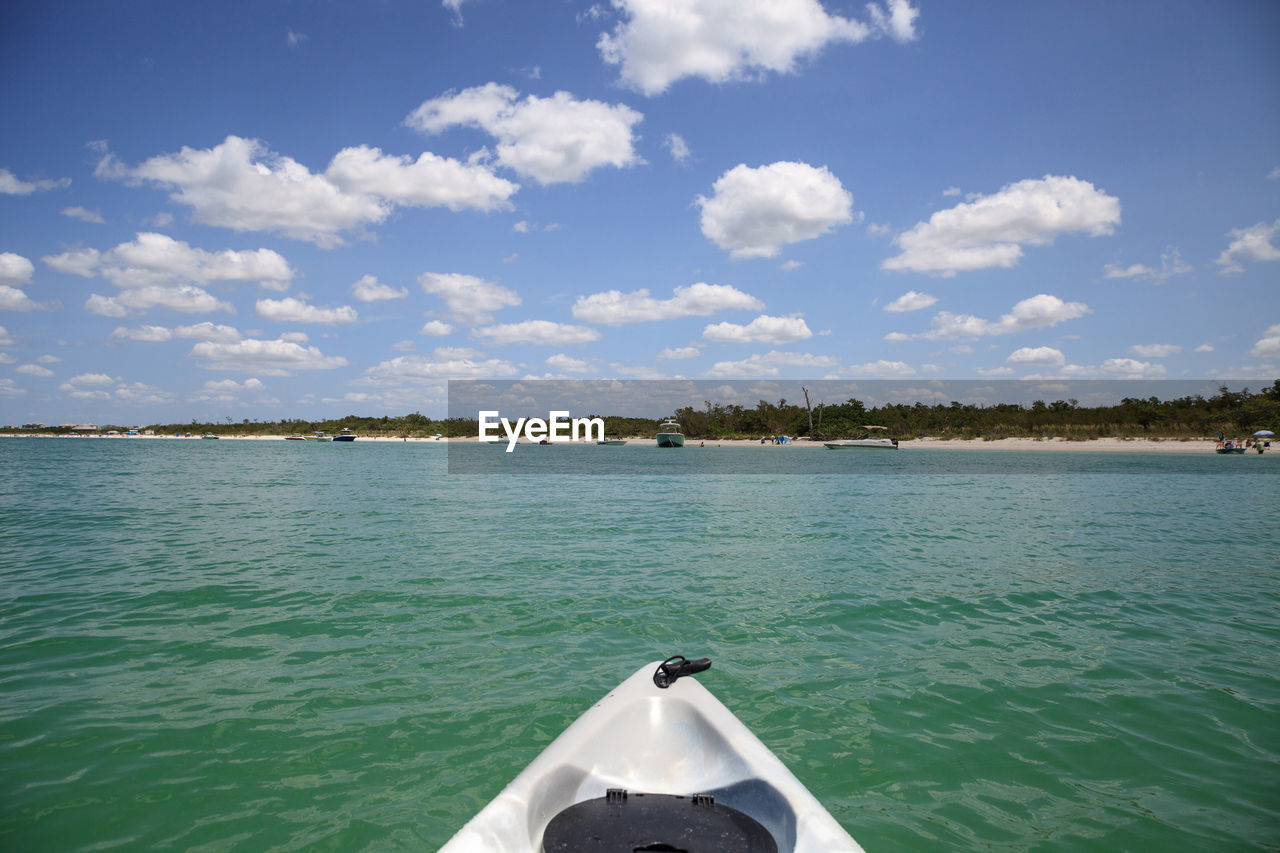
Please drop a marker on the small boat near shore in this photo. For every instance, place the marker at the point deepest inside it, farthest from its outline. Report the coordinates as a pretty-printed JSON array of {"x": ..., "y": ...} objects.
[
  {"x": 669, "y": 435},
  {"x": 209, "y": 435},
  {"x": 345, "y": 435},
  {"x": 612, "y": 442},
  {"x": 294, "y": 437},
  {"x": 657, "y": 764},
  {"x": 1225, "y": 447},
  {"x": 866, "y": 440}
]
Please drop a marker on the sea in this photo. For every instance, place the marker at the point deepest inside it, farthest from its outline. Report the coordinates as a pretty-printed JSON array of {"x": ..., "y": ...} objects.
[{"x": 269, "y": 645}]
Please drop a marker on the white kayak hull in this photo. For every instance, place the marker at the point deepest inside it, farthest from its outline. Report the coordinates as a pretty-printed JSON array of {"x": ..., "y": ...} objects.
[{"x": 679, "y": 740}]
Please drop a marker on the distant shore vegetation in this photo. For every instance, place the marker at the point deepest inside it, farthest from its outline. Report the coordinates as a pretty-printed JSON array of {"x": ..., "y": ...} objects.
[{"x": 1234, "y": 414}]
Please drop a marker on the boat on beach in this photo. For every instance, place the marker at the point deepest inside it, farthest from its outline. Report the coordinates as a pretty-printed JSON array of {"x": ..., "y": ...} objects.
[
  {"x": 319, "y": 436},
  {"x": 294, "y": 437},
  {"x": 1230, "y": 447},
  {"x": 208, "y": 435},
  {"x": 657, "y": 764},
  {"x": 612, "y": 442},
  {"x": 669, "y": 435},
  {"x": 345, "y": 435},
  {"x": 866, "y": 440}
]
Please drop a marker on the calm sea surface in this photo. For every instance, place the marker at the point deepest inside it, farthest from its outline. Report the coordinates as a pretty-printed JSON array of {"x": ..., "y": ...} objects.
[{"x": 274, "y": 645}]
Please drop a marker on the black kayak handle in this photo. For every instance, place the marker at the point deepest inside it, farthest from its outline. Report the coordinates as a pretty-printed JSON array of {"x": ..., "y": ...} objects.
[{"x": 677, "y": 666}]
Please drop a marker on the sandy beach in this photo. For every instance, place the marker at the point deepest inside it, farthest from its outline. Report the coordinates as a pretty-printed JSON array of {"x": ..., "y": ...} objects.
[{"x": 1111, "y": 445}]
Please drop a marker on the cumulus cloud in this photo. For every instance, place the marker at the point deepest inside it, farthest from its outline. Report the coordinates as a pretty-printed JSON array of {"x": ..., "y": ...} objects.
[
  {"x": 552, "y": 140},
  {"x": 753, "y": 213},
  {"x": 243, "y": 185},
  {"x": 990, "y": 231},
  {"x": 769, "y": 364},
  {"x": 15, "y": 270},
  {"x": 14, "y": 299},
  {"x": 658, "y": 42},
  {"x": 226, "y": 390},
  {"x": 1037, "y": 355},
  {"x": 537, "y": 332},
  {"x": 268, "y": 358},
  {"x": 156, "y": 259},
  {"x": 882, "y": 369},
  {"x": 763, "y": 329},
  {"x": 614, "y": 308},
  {"x": 1249, "y": 244},
  {"x": 369, "y": 289},
  {"x": 910, "y": 301},
  {"x": 11, "y": 184},
  {"x": 470, "y": 300},
  {"x": 186, "y": 298},
  {"x": 676, "y": 353},
  {"x": 1037, "y": 312},
  {"x": 91, "y": 380},
  {"x": 1268, "y": 346},
  {"x": 444, "y": 363},
  {"x": 204, "y": 331},
  {"x": 568, "y": 364},
  {"x": 1171, "y": 264},
  {"x": 678, "y": 148},
  {"x": 290, "y": 310},
  {"x": 33, "y": 370},
  {"x": 435, "y": 328},
  {"x": 1154, "y": 350},
  {"x": 10, "y": 388},
  {"x": 6, "y": 340}
]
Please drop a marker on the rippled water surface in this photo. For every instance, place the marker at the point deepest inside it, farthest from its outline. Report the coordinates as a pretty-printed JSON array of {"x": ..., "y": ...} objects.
[{"x": 276, "y": 645}]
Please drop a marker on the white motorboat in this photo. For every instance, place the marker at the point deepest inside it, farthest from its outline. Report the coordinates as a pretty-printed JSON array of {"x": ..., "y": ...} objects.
[
  {"x": 669, "y": 435},
  {"x": 867, "y": 440},
  {"x": 656, "y": 764}
]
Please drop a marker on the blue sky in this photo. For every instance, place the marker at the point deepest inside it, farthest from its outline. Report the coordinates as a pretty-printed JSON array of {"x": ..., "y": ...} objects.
[{"x": 310, "y": 209}]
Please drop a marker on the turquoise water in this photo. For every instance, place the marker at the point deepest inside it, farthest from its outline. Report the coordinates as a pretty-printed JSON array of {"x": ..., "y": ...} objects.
[{"x": 275, "y": 645}]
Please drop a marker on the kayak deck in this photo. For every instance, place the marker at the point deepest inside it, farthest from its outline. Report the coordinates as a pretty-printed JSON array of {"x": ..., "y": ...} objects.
[{"x": 678, "y": 740}]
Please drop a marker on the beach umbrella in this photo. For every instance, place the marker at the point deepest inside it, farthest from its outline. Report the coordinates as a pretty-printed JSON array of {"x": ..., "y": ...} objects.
[{"x": 1263, "y": 433}]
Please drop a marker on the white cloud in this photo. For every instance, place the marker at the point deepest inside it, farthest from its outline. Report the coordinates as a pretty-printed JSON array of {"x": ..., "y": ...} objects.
[
  {"x": 657, "y": 42},
  {"x": 84, "y": 214},
  {"x": 769, "y": 364},
  {"x": 882, "y": 369},
  {"x": 157, "y": 259},
  {"x": 15, "y": 270},
  {"x": 48, "y": 359},
  {"x": 995, "y": 372},
  {"x": 1171, "y": 264},
  {"x": 991, "y": 230},
  {"x": 552, "y": 140},
  {"x": 241, "y": 184},
  {"x": 1204, "y": 348},
  {"x": 6, "y": 340},
  {"x": 753, "y": 213},
  {"x": 1268, "y": 346},
  {"x": 1154, "y": 350},
  {"x": 435, "y": 328},
  {"x": 910, "y": 301},
  {"x": 10, "y": 388},
  {"x": 10, "y": 184},
  {"x": 5, "y": 358},
  {"x": 13, "y": 299},
  {"x": 441, "y": 365},
  {"x": 614, "y": 308},
  {"x": 295, "y": 337},
  {"x": 1253, "y": 244},
  {"x": 763, "y": 329},
  {"x": 537, "y": 332},
  {"x": 140, "y": 392},
  {"x": 568, "y": 364},
  {"x": 91, "y": 380},
  {"x": 186, "y": 298},
  {"x": 1037, "y": 312},
  {"x": 1128, "y": 368},
  {"x": 1037, "y": 355},
  {"x": 290, "y": 310},
  {"x": 369, "y": 289},
  {"x": 203, "y": 331},
  {"x": 679, "y": 149},
  {"x": 470, "y": 300},
  {"x": 678, "y": 353},
  {"x": 33, "y": 370},
  {"x": 429, "y": 181},
  {"x": 269, "y": 358}
]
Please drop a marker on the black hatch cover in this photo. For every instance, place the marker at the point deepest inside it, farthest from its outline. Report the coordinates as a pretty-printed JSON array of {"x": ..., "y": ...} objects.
[{"x": 623, "y": 822}]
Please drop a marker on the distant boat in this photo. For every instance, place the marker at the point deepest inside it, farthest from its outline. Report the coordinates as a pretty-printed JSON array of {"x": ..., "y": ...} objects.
[
  {"x": 867, "y": 440},
  {"x": 345, "y": 435},
  {"x": 669, "y": 435},
  {"x": 207, "y": 435},
  {"x": 294, "y": 437},
  {"x": 614, "y": 442},
  {"x": 319, "y": 436}
]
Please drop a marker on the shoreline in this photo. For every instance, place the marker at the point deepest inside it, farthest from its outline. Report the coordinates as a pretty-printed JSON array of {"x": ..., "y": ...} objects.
[{"x": 1053, "y": 445}]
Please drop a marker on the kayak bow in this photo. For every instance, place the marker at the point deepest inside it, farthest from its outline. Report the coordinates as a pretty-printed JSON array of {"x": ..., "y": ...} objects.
[{"x": 645, "y": 739}]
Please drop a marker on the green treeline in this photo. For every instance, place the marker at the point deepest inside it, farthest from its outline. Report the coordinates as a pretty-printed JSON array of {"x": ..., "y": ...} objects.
[{"x": 1234, "y": 414}]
